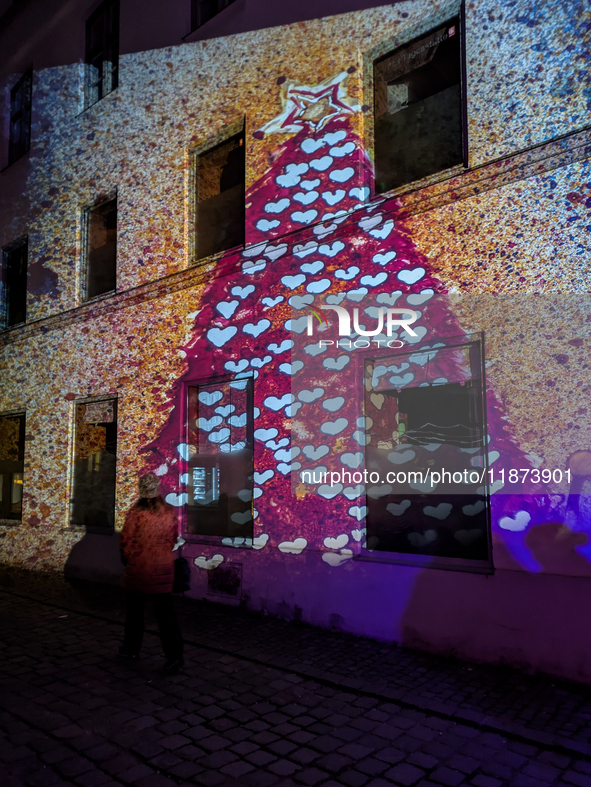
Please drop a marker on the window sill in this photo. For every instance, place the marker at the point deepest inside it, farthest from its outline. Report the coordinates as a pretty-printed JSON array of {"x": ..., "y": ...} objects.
[
  {"x": 90, "y": 530},
  {"x": 15, "y": 161},
  {"x": 7, "y": 328},
  {"x": 98, "y": 298},
  {"x": 201, "y": 261},
  {"x": 422, "y": 183},
  {"x": 427, "y": 561},
  {"x": 214, "y": 541},
  {"x": 86, "y": 107}
]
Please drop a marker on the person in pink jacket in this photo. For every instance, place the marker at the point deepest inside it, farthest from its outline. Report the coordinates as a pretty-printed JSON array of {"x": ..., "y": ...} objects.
[{"x": 147, "y": 539}]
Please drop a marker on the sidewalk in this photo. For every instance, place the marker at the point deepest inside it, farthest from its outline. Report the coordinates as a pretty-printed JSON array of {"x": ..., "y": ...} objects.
[{"x": 263, "y": 702}]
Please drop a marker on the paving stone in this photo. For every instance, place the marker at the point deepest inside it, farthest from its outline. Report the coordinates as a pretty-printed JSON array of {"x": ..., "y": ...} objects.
[
  {"x": 69, "y": 731},
  {"x": 580, "y": 779},
  {"x": 371, "y": 766},
  {"x": 311, "y": 776},
  {"x": 409, "y": 744},
  {"x": 544, "y": 773},
  {"x": 485, "y": 781},
  {"x": 422, "y": 732},
  {"x": 522, "y": 748},
  {"x": 326, "y": 743},
  {"x": 304, "y": 755},
  {"x": 510, "y": 758},
  {"x": 438, "y": 750},
  {"x": 136, "y": 773},
  {"x": 282, "y": 747},
  {"x": 283, "y": 767},
  {"x": 82, "y": 715},
  {"x": 334, "y": 762},
  {"x": 353, "y": 778},
  {"x": 260, "y": 758},
  {"x": 51, "y": 756},
  {"x": 212, "y": 743},
  {"x": 73, "y": 766},
  {"x": 93, "y": 778},
  {"x": 355, "y": 751},
  {"x": 170, "y": 727},
  {"x": 118, "y": 764},
  {"x": 174, "y": 741},
  {"x": 553, "y": 758},
  {"x": 496, "y": 769},
  {"x": 301, "y": 737},
  {"x": 237, "y": 769},
  {"x": 480, "y": 752},
  {"x": 103, "y": 751},
  {"x": 447, "y": 776},
  {"x": 405, "y": 774},
  {"x": 460, "y": 762},
  {"x": 45, "y": 777},
  {"x": 154, "y": 780},
  {"x": 390, "y": 755}
]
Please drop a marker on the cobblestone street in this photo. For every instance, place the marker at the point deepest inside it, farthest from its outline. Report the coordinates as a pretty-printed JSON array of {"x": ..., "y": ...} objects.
[{"x": 262, "y": 701}]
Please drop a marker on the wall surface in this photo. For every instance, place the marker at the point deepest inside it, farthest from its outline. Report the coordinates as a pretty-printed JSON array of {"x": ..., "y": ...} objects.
[{"x": 507, "y": 238}]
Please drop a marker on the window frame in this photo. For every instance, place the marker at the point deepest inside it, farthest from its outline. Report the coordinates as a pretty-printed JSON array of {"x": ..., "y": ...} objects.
[
  {"x": 110, "y": 46},
  {"x": 183, "y": 466},
  {"x": 226, "y": 134},
  {"x": 110, "y": 397},
  {"x": 24, "y": 83},
  {"x": 7, "y": 250},
  {"x": 111, "y": 196},
  {"x": 16, "y": 520},
  {"x": 406, "y": 36},
  {"x": 459, "y": 564}
]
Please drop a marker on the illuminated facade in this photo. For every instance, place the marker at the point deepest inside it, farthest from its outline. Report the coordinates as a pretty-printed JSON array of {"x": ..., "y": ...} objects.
[{"x": 183, "y": 214}]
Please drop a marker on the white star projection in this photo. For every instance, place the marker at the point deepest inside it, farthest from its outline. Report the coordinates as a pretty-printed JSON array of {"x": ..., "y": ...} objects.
[{"x": 306, "y": 106}]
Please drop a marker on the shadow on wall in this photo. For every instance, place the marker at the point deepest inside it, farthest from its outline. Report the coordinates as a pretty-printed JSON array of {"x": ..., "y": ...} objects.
[
  {"x": 96, "y": 558},
  {"x": 523, "y": 619}
]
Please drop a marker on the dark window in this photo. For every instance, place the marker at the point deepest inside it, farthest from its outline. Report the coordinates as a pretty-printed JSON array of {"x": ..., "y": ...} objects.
[
  {"x": 14, "y": 283},
  {"x": 95, "y": 459},
  {"x": 418, "y": 109},
  {"x": 220, "y": 459},
  {"x": 204, "y": 10},
  {"x": 20, "y": 117},
  {"x": 12, "y": 462},
  {"x": 102, "y": 51},
  {"x": 101, "y": 255},
  {"x": 414, "y": 432},
  {"x": 220, "y": 198}
]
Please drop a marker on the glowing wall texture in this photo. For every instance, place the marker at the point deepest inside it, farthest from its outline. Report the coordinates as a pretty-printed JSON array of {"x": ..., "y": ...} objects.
[{"x": 516, "y": 226}]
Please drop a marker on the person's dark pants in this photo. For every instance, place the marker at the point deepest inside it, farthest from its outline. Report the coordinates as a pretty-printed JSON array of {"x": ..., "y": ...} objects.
[{"x": 170, "y": 633}]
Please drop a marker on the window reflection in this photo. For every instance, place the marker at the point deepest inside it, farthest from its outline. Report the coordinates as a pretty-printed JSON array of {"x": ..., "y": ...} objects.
[
  {"x": 436, "y": 425},
  {"x": 95, "y": 459},
  {"x": 12, "y": 461},
  {"x": 219, "y": 477}
]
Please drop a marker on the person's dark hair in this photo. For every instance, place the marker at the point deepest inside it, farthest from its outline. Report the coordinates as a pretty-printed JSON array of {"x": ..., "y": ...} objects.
[{"x": 150, "y": 503}]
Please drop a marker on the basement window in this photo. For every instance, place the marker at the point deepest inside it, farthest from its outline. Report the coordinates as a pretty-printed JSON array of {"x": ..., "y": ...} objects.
[
  {"x": 12, "y": 462},
  {"x": 415, "y": 432},
  {"x": 220, "y": 197},
  {"x": 101, "y": 249},
  {"x": 418, "y": 109},
  {"x": 219, "y": 466},
  {"x": 20, "y": 117},
  {"x": 14, "y": 283},
  {"x": 95, "y": 460}
]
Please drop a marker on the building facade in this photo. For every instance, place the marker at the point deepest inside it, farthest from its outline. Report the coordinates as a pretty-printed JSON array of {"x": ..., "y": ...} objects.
[{"x": 302, "y": 272}]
